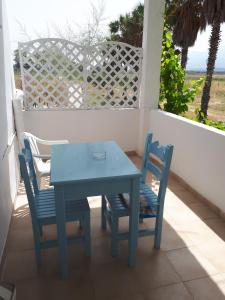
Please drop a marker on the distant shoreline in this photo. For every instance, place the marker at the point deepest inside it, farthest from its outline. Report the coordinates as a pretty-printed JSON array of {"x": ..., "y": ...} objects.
[
  {"x": 217, "y": 71},
  {"x": 196, "y": 72}
]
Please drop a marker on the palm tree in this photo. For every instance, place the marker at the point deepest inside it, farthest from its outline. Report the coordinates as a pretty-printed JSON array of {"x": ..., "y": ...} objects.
[
  {"x": 214, "y": 11},
  {"x": 129, "y": 28},
  {"x": 189, "y": 20}
]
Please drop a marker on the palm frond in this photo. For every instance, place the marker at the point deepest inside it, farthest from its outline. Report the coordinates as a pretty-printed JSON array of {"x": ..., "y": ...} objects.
[
  {"x": 214, "y": 9},
  {"x": 189, "y": 20}
]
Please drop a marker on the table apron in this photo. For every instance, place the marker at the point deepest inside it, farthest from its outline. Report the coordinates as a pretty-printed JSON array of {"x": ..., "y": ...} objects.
[{"x": 95, "y": 188}]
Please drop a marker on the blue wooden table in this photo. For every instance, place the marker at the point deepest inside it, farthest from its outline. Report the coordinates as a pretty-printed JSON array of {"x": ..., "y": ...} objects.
[{"x": 91, "y": 169}]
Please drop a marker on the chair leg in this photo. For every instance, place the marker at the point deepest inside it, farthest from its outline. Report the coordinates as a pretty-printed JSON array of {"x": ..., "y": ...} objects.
[
  {"x": 158, "y": 232},
  {"x": 103, "y": 214},
  {"x": 37, "y": 243},
  {"x": 41, "y": 230},
  {"x": 38, "y": 255},
  {"x": 87, "y": 234},
  {"x": 114, "y": 240},
  {"x": 81, "y": 224}
]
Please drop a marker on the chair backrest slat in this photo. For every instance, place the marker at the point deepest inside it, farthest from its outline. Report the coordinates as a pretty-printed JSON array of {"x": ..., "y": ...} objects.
[
  {"x": 155, "y": 170},
  {"x": 158, "y": 151},
  {"x": 32, "y": 140}
]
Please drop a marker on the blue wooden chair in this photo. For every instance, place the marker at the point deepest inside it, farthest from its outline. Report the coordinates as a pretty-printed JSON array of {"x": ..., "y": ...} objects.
[
  {"x": 157, "y": 160},
  {"x": 42, "y": 208}
]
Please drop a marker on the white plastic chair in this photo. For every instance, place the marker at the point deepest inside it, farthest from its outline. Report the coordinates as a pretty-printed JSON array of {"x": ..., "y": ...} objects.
[{"x": 42, "y": 161}]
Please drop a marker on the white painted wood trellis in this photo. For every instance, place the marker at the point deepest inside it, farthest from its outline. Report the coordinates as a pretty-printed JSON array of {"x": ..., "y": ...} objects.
[{"x": 58, "y": 74}]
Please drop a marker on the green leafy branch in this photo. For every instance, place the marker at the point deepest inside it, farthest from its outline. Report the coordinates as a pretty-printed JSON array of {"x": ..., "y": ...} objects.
[{"x": 175, "y": 94}]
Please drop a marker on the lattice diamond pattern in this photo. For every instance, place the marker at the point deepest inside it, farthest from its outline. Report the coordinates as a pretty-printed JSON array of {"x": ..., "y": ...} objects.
[{"x": 58, "y": 74}]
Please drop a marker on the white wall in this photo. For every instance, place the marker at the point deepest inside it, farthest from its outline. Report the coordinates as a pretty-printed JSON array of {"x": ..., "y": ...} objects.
[
  {"x": 89, "y": 125},
  {"x": 199, "y": 153},
  {"x": 8, "y": 165}
]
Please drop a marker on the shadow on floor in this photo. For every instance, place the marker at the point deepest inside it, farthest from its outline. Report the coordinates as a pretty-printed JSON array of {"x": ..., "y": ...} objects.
[{"x": 180, "y": 270}]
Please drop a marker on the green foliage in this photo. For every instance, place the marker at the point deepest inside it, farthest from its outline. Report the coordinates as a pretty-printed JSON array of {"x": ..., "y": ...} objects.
[
  {"x": 175, "y": 94},
  {"x": 201, "y": 118},
  {"x": 216, "y": 124}
]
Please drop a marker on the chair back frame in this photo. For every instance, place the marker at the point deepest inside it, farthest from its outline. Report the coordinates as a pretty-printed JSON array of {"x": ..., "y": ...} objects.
[
  {"x": 157, "y": 160},
  {"x": 29, "y": 159},
  {"x": 28, "y": 185}
]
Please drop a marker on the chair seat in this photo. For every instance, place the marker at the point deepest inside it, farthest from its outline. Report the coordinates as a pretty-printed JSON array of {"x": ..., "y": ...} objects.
[
  {"x": 46, "y": 212},
  {"x": 43, "y": 168},
  {"x": 148, "y": 202}
]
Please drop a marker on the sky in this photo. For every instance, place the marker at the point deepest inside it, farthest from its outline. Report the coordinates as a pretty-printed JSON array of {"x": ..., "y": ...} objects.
[
  {"x": 39, "y": 16},
  {"x": 43, "y": 17},
  {"x": 198, "y": 54}
]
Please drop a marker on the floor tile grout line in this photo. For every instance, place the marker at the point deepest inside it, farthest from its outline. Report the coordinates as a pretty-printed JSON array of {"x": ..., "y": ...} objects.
[
  {"x": 173, "y": 268},
  {"x": 168, "y": 285},
  {"x": 202, "y": 277},
  {"x": 216, "y": 273}
]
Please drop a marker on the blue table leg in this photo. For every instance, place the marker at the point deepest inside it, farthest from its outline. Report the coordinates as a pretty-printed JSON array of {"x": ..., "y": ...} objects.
[
  {"x": 133, "y": 221},
  {"x": 61, "y": 231}
]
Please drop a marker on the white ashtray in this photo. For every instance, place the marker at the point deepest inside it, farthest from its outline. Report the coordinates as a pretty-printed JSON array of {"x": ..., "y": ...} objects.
[{"x": 99, "y": 155}]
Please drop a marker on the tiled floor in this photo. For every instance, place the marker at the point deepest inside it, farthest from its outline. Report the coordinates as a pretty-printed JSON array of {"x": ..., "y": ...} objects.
[{"x": 190, "y": 264}]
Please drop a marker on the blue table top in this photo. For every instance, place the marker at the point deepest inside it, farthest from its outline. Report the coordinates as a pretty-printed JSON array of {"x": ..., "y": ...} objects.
[{"x": 86, "y": 162}]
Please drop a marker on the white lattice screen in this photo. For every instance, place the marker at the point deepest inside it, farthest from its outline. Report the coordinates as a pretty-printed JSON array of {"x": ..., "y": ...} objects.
[{"x": 58, "y": 74}]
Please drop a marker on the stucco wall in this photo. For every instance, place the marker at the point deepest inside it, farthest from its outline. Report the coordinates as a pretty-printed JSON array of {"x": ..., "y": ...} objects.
[
  {"x": 198, "y": 153},
  {"x": 88, "y": 125},
  {"x": 8, "y": 148}
]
